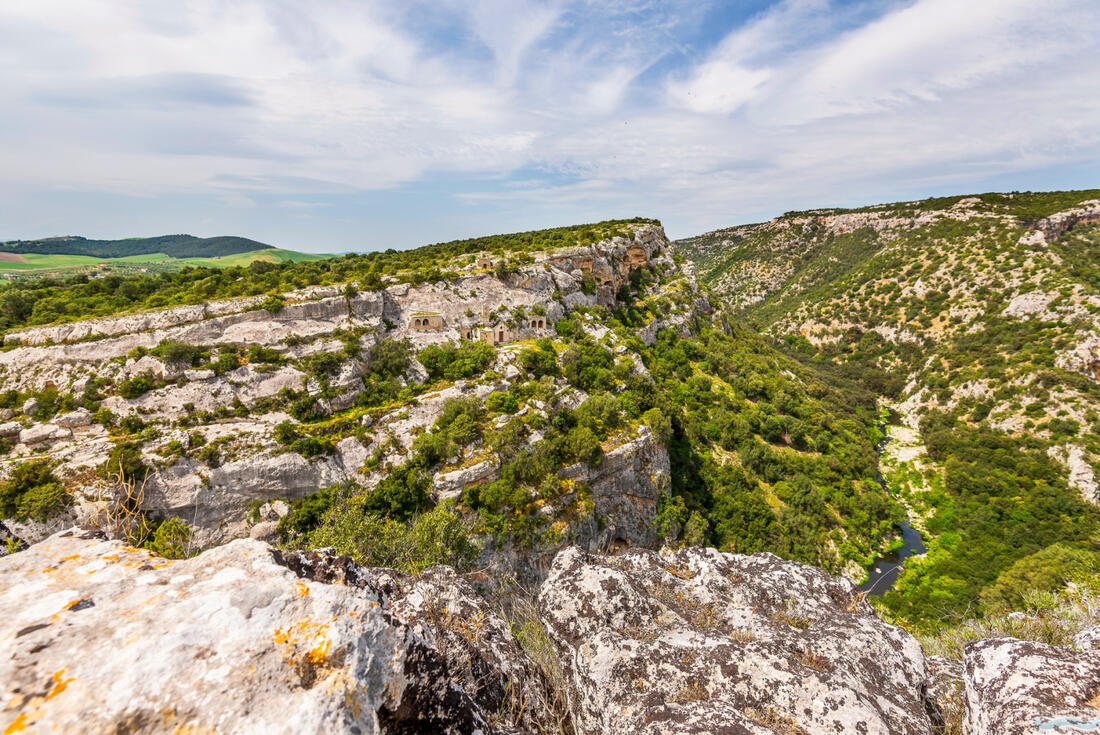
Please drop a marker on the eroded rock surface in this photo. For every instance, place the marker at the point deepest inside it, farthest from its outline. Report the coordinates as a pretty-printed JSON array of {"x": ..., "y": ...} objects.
[
  {"x": 698, "y": 641},
  {"x": 99, "y": 637},
  {"x": 1015, "y": 687}
]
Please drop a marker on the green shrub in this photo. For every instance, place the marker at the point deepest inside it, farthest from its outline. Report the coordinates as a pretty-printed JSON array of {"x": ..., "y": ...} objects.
[
  {"x": 321, "y": 365},
  {"x": 500, "y": 401},
  {"x": 436, "y": 537},
  {"x": 228, "y": 360},
  {"x": 265, "y": 355},
  {"x": 181, "y": 353},
  {"x": 306, "y": 513},
  {"x": 125, "y": 461},
  {"x": 286, "y": 433},
  {"x": 138, "y": 385},
  {"x": 273, "y": 304},
  {"x": 1044, "y": 571},
  {"x": 312, "y": 446},
  {"x": 172, "y": 540},
  {"x": 390, "y": 358},
  {"x": 540, "y": 360},
  {"x": 401, "y": 493},
  {"x": 32, "y": 491},
  {"x": 466, "y": 360},
  {"x": 588, "y": 366}
]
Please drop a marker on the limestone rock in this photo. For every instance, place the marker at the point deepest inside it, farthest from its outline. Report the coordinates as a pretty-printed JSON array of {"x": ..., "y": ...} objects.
[
  {"x": 626, "y": 488},
  {"x": 30, "y": 406},
  {"x": 150, "y": 364},
  {"x": 416, "y": 374},
  {"x": 698, "y": 641},
  {"x": 1029, "y": 304},
  {"x": 943, "y": 690},
  {"x": 1015, "y": 687},
  {"x": 451, "y": 484},
  {"x": 99, "y": 637},
  {"x": 481, "y": 651},
  {"x": 74, "y": 419},
  {"x": 263, "y": 531},
  {"x": 42, "y": 433},
  {"x": 12, "y": 428},
  {"x": 1084, "y": 357},
  {"x": 1087, "y": 639}
]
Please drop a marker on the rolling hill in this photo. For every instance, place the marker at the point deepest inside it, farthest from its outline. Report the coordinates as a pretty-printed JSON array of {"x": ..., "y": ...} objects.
[
  {"x": 173, "y": 246},
  {"x": 65, "y": 256}
]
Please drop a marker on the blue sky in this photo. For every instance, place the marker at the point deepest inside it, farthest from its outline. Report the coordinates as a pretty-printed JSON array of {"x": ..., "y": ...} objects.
[{"x": 355, "y": 125}]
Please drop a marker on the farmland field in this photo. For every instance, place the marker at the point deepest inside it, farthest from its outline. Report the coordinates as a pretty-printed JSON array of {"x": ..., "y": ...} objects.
[{"x": 38, "y": 264}]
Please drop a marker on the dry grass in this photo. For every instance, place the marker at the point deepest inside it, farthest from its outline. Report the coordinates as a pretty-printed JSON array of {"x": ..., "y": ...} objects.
[
  {"x": 691, "y": 692},
  {"x": 706, "y": 616},
  {"x": 779, "y": 723},
  {"x": 644, "y": 633},
  {"x": 856, "y": 602},
  {"x": 1048, "y": 618},
  {"x": 815, "y": 661},
  {"x": 522, "y": 613},
  {"x": 122, "y": 517},
  {"x": 789, "y": 616}
]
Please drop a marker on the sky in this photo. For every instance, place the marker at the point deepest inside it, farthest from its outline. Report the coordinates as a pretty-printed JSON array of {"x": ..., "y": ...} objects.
[{"x": 336, "y": 125}]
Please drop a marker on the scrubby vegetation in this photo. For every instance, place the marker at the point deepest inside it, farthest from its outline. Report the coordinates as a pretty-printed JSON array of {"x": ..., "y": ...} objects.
[
  {"x": 32, "y": 492},
  {"x": 950, "y": 305}
]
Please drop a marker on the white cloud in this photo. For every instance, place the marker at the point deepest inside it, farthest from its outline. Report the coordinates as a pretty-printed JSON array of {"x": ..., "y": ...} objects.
[{"x": 808, "y": 99}]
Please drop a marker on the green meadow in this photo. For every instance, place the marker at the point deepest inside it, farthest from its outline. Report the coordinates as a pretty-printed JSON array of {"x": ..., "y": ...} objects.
[{"x": 31, "y": 263}]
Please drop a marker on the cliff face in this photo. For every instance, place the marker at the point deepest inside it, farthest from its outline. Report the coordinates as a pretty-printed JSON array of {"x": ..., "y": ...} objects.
[
  {"x": 244, "y": 638},
  {"x": 237, "y": 410}
]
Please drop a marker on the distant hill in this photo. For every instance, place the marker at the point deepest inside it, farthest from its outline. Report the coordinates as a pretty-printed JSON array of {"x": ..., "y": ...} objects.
[{"x": 175, "y": 246}]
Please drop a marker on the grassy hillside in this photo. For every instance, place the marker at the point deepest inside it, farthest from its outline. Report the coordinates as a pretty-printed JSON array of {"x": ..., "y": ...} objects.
[
  {"x": 38, "y": 265},
  {"x": 976, "y": 318}
]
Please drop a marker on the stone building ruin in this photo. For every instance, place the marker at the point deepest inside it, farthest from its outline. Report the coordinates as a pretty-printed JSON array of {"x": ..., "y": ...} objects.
[{"x": 426, "y": 322}]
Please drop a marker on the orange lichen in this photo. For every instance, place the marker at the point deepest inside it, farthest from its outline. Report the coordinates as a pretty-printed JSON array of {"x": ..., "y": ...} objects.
[
  {"x": 304, "y": 635},
  {"x": 59, "y": 684},
  {"x": 69, "y": 558},
  {"x": 319, "y": 653},
  {"x": 19, "y": 724},
  {"x": 303, "y": 590}
]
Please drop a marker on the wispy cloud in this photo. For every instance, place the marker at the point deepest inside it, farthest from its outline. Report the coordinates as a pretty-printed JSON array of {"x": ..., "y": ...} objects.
[{"x": 691, "y": 111}]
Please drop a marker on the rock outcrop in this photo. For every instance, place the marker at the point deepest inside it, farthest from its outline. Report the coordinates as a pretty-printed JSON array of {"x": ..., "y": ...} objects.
[
  {"x": 627, "y": 487},
  {"x": 100, "y": 637},
  {"x": 1018, "y": 687},
  {"x": 698, "y": 641}
]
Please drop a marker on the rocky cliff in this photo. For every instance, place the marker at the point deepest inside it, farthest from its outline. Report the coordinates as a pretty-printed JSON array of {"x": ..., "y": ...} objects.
[
  {"x": 198, "y": 392},
  {"x": 100, "y": 637}
]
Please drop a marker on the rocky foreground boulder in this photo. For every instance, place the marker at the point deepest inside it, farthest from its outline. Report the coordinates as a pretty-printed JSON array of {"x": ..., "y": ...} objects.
[
  {"x": 99, "y": 637},
  {"x": 1016, "y": 687},
  {"x": 699, "y": 641},
  {"x": 96, "y": 637}
]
